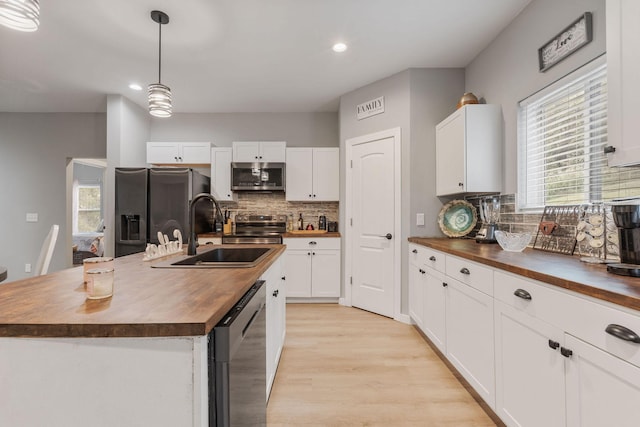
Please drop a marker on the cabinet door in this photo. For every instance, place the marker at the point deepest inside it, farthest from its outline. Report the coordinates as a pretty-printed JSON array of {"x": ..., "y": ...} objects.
[
  {"x": 326, "y": 174},
  {"x": 299, "y": 174},
  {"x": 434, "y": 319},
  {"x": 325, "y": 273},
  {"x": 195, "y": 152},
  {"x": 623, "y": 85},
  {"x": 297, "y": 264},
  {"x": 469, "y": 319},
  {"x": 246, "y": 151},
  {"x": 273, "y": 151},
  {"x": 221, "y": 173},
  {"x": 602, "y": 390},
  {"x": 416, "y": 293},
  {"x": 163, "y": 152},
  {"x": 451, "y": 155},
  {"x": 529, "y": 370}
]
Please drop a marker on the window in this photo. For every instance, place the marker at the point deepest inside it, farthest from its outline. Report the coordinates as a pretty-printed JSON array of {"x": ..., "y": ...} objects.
[
  {"x": 88, "y": 212},
  {"x": 562, "y": 132}
]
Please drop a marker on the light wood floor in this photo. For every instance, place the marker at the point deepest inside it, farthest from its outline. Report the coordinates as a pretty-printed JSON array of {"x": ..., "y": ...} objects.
[{"x": 343, "y": 366}]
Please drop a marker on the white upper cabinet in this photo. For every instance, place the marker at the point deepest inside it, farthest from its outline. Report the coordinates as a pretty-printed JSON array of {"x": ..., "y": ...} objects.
[
  {"x": 259, "y": 151},
  {"x": 623, "y": 85},
  {"x": 313, "y": 174},
  {"x": 469, "y": 151},
  {"x": 172, "y": 153},
  {"x": 221, "y": 173}
]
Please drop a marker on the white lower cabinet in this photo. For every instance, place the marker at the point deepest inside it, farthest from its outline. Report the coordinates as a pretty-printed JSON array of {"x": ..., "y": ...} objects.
[
  {"x": 530, "y": 380},
  {"x": 602, "y": 390},
  {"x": 455, "y": 316},
  {"x": 275, "y": 318},
  {"x": 561, "y": 359},
  {"x": 469, "y": 326},
  {"x": 313, "y": 267}
]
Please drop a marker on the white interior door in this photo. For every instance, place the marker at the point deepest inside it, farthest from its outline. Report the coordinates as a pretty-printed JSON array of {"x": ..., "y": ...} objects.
[{"x": 373, "y": 209}]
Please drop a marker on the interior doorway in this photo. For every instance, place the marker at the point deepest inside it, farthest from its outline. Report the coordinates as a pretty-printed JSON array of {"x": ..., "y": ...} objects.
[
  {"x": 85, "y": 209},
  {"x": 373, "y": 216}
]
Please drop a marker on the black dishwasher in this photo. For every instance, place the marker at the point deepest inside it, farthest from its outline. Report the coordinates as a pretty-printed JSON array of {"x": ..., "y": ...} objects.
[{"x": 237, "y": 364}]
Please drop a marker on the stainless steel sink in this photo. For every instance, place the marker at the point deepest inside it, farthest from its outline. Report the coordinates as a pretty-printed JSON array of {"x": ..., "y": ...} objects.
[{"x": 220, "y": 258}]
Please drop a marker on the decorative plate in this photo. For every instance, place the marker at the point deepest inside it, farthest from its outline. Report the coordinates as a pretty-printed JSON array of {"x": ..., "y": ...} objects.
[{"x": 457, "y": 218}]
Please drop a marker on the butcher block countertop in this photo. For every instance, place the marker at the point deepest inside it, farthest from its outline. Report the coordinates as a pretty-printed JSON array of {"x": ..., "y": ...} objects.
[
  {"x": 147, "y": 302},
  {"x": 564, "y": 271}
]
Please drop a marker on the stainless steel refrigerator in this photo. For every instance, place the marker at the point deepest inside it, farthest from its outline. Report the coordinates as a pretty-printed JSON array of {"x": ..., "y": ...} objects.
[{"x": 157, "y": 199}]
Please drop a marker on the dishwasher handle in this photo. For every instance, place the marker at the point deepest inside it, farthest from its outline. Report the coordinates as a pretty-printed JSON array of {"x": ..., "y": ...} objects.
[{"x": 251, "y": 320}]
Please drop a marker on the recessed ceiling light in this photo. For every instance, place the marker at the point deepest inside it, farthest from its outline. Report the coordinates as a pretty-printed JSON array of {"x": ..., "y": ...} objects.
[
  {"x": 135, "y": 86},
  {"x": 339, "y": 47}
]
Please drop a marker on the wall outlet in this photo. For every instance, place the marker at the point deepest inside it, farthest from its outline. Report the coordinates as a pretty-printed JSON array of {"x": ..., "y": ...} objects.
[
  {"x": 32, "y": 217},
  {"x": 27, "y": 268},
  {"x": 420, "y": 219}
]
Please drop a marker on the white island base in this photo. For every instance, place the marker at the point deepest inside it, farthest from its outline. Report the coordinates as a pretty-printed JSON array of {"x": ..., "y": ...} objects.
[{"x": 104, "y": 382}]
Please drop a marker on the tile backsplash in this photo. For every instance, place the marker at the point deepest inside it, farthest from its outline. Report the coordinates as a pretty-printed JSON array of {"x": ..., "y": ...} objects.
[
  {"x": 275, "y": 203},
  {"x": 509, "y": 219}
]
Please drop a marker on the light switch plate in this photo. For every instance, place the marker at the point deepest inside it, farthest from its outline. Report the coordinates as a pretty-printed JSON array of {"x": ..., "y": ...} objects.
[
  {"x": 32, "y": 217},
  {"x": 420, "y": 219},
  {"x": 27, "y": 268}
]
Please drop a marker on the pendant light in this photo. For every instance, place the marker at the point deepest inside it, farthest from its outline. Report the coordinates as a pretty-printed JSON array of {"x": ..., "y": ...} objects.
[
  {"x": 159, "y": 94},
  {"x": 21, "y": 15}
]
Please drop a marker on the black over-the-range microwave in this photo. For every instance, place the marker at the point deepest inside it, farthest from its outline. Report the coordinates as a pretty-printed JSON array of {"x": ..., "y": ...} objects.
[{"x": 257, "y": 176}]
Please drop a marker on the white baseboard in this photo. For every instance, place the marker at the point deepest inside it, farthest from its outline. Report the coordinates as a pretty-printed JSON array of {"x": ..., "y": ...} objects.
[{"x": 404, "y": 318}]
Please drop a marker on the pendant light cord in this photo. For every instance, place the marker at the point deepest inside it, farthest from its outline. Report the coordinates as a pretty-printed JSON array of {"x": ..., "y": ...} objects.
[{"x": 159, "y": 50}]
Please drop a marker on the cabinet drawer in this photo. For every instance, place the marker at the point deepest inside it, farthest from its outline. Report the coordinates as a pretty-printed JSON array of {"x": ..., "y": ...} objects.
[
  {"x": 578, "y": 316},
  {"x": 312, "y": 242},
  {"x": 470, "y": 273},
  {"x": 530, "y": 297},
  {"x": 427, "y": 256},
  {"x": 589, "y": 321}
]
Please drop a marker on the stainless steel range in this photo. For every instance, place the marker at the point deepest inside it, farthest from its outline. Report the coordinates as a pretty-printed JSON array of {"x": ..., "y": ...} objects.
[{"x": 265, "y": 229}]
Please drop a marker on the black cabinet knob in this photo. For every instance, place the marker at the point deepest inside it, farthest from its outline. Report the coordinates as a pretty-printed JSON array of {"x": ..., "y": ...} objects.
[
  {"x": 566, "y": 352},
  {"x": 444, "y": 284},
  {"x": 432, "y": 258},
  {"x": 415, "y": 251},
  {"x": 283, "y": 278}
]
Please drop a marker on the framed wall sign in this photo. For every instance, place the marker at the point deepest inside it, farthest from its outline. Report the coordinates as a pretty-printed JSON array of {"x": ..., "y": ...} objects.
[
  {"x": 572, "y": 38},
  {"x": 370, "y": 108}
]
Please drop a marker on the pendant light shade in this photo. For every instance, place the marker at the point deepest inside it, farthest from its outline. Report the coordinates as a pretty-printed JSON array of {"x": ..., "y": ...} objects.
[
  {"x": 21, "y": 15},
  {"x": 159, "y": 94},
  {"x": 159, "y": 100}
]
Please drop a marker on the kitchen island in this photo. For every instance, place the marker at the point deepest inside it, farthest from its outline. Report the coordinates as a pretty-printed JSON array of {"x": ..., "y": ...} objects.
[{"x": 136, "y": 358}]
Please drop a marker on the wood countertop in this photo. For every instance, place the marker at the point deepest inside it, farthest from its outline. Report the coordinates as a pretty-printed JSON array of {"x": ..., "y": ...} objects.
[
  {"x": 306, "y": 234},
  {"x": 146, "y": 302},
  {"x": 564, "y": 271}
]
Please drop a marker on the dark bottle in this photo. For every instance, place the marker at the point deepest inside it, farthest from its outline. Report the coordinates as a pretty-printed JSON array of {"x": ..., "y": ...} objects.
[
  {"x": 322, "y": 222},
  {"x": 300, "y": 223}
]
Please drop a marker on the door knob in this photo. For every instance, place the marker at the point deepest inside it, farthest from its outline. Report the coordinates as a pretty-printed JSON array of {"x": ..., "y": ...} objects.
[{"x": 387, "y": 236}]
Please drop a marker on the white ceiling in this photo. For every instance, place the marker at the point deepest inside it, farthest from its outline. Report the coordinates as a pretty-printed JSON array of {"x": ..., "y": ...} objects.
[{"x": 235, "y": 55}]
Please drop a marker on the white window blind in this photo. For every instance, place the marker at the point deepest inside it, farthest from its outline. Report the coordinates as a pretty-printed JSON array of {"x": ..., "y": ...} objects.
[{"x": 562, "y": 134}]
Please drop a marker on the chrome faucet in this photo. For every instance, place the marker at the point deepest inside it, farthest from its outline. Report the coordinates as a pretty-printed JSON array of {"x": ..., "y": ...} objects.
[{"x": 193, "y": 238}]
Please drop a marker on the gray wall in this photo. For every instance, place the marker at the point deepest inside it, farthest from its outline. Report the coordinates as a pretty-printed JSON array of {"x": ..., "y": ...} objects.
[
  {"x": 507, "y": 70},
  {"x": 415, "y": 100},
  {"x": 221, "y": 129},
  {"x": 34, "y": 153}
]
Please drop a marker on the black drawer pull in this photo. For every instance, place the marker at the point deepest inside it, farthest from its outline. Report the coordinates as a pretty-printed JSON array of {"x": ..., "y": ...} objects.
[
  {"x": 623, "y": 333},
  {"x": 465, "y": 270},
  {"x": 432, "y": 258},
  {"x": 444, "y": 284},
  {"x": 521, "y": 293},
  {"x": 566, "y": 352},
  {"x": 415, "y": 251},
  {"x": 554, "y": 344},
  {"x": 313, "y": 243}
]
